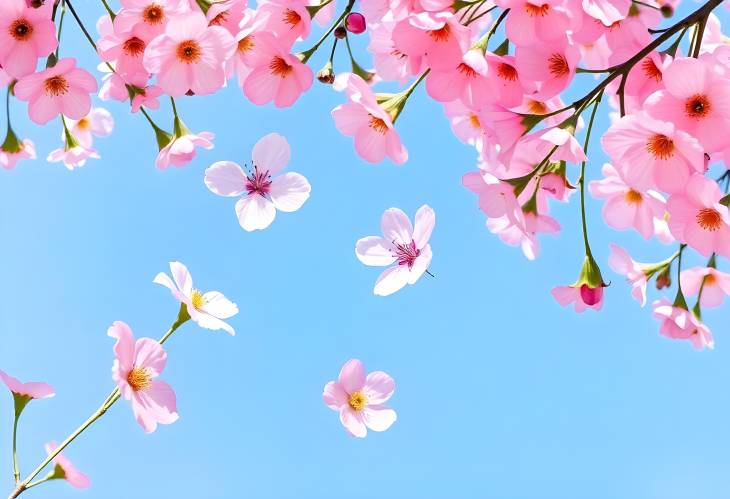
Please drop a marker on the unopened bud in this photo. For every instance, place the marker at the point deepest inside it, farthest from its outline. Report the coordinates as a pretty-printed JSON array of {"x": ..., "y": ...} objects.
[
  {"x": 664, "y": 279},
  {"x": 340, "y": 32},
  {"x": 667, "y": 10},
  {"x": 326, "y": 75},
  {"x": 355, "y": 23}
]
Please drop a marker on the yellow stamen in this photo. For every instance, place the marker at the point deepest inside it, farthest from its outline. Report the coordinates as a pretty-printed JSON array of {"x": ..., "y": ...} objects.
[{"x": 357, "y": 401}]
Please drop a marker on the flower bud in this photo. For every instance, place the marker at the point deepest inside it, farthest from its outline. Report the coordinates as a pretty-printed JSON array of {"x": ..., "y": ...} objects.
[
  {"x": 355, "y": 23},
  {"x": 667, "y": 10},
  {"x": 340, "y": 32},
  {"x": 664, "y": 279},
  {"x": 326, "y": 75}
]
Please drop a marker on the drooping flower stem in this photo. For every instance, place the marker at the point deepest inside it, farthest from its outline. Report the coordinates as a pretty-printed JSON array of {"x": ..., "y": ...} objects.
[
  {"x": 484, "y": 40},
  {"x": 395, "y": 105},
  {"x": 27, "y": 483},
  {"x": 16, "y": 470},
  {"x": 109, "y": 9},
  {"x": 80, "y": 23},
  {"x": 582, "y": 179},
  {"x": 60, "y": 29},
  {"x": 697, "y": 310},
  {"x": 304, "y": 56},
  {"x": 679, "y": 300}
]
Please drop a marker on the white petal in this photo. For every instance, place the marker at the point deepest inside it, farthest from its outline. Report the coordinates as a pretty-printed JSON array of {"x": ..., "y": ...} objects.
[
  {"x": 289, "y": 191},
  {"x": 255, "y": 212},
  {"x": 391, "y": 280},
  {"x": 271, "y": 153},
  {"x": 225, "y": 178},
  {"x": 375, "y": 251},
  {"x": 425, "y": 222}
]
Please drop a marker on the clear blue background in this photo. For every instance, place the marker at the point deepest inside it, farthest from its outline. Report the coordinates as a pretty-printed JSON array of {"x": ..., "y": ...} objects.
[{"x": 500, "y": 394}]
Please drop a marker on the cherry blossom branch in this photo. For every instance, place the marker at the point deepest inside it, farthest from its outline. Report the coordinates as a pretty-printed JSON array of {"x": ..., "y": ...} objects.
[{"x": 304, "y": 56}]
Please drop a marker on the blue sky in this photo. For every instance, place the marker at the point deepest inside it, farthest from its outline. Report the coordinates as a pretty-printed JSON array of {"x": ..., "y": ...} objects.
[{"x": 500, "y": 393}]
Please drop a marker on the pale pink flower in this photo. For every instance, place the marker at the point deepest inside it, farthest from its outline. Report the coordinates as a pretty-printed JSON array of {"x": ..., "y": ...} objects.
[
  {"x": 582, "y": 296},
  {"x": 73, "y": 156},
  {"x": 696, "y": 100},
  {"x": 289, "y": 20},
  {"x": 465, "y": 124},
  {"x": 10, "y": 157},
  {"x": 228, "y": 14},
  {"x": 367, "y": 122},
  {"x": 135, "y": 368},
  {"x": 147, "y": 97},
  {"x": 653, "y": 153},
  {"x": 30, "y": 390},
  {"x": 496, "y": 197},
  {"x": 607, "y": 11},
  {"x": 627, "y": 206},
  {"x": 697, "y": 218},
  {"x": 190, "y": 56},
  {"x": 181, "y": 149},
  {"x": 540, "y": 144},
  {"x": 437, "y": 37},
  {"x": 65, "y": 469},
  {"x": 26, "y": 33},
  {"x": 647, "y": 76},
  {"x": 533, "y": 22},
  {"x": 98, "y": 123},
  {"x": 206, "y": 309},
  {"x": 148, "y": 18},
  {"x": 390, "y": 63},
  {"x": 714, "y": 283},
  {"x": 622, "y": 263},
  {"x": 403, "y": 244},
  {"x": 522, "y": 228},
  {"x": 276, "y": 74},
  {"x": 681, "y": 324},
  {"x": 504, "y": 80},
  {"x": 466, "y": 82},
  {"x": 244, "y": 57},
  {"x": 551, "y": 64},
  {"x": 360, "y": 399},
  {"x": 263, "y": 191},
  {"x": 124, "y": 51}
]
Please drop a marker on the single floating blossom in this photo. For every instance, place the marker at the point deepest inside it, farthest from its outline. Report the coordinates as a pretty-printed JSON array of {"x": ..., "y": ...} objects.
[
  {"x": 26, "y": 33},
  {"x": 263, "y": 193},
  {"x": 680, "y": 324},
  {"x": 64, "y": 469},
  {"x": 360, "y": 399},
  {"x": 61, "y": 89},
  {"x": 135, "y": 368},
  {"x": 206, "y": 309},
  {"x": 715, "y": 285},
  {"x": 403, "y": 244}
]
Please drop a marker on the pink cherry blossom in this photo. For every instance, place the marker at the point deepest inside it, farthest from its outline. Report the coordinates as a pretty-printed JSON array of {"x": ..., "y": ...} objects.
[
  {"x": 623, "y": 264},
  {"x": 551, "y": 64},
  {"x": 390, "y": 63},
  {"x": 146, "y": 97},
  {"x": 696, "y": 100},
  {"x": 244, "y": 57},
  {"x": 65, "y": 469},
  {"x": 503, "y": 80},
  {"x": 288, "y": 20},
  {"x": 124, "y": 51},
  {"x": 148, "y": 18},
  {"x": 522, "y": 228},
  {"x": 206, "y": 309},
  {"x": 607, "y": 11},
  {"x": 582, "y": 296},
  {"x": 228, "y": 14},
  {"x": 26, "y": 33},
  {"x": 360, "y": 399},
  {"x": 98, "y": 123},
  {"x": 31, "y": 390},
  {"x": 9, "y": 158},
  {"x": 533, "y": 22},
  {"x": 181, "y": 149},
  {"x": 190, "y": 56},
  {"x": 135, "y": 368},
  {"x": 437, "y": 37},
  {"x": 627, "y": 206},
  {"x": 263, "y": 192},
  {"x": 714, "y": 283},
  {"x": 496, "y": 197},
  {"x": 276, "y": 74},
  {"x": 680, "y": 324},
  {"x": 697, "y": 218},
  {"x": 73, "y": 156},
  {"x": 403, "y": 244},
  {"x": 654, "y": 153},
  {"x": 466, "y": 81},
  {"x": 647, "y": 76},
  {"x": 63, "y": 88},
  {"x": 367, "y": 122}
]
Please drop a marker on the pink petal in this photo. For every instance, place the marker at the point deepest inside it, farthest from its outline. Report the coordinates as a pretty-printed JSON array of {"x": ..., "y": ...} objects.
[
  {"x": 289, "y": 191},
  {"x": 353, "y": 422},
  {"x": 396, "y": 226},
  {"x": 374, "y": 251},
  {"x": 379, "y": 387},
  {"x": 378, "y": 418},
  {"x": 425, "y": 222},
  {"x": 391, "y": 280},
  {"x": 225, "y": 178},
  {"x": 150, "y": 355},
  {"x": 255, "y": 212},
  {"x": 124, "y": 347},
  {"x": 271, "y": 153},
  {"x": 334, "y": 396},
  {"x": 352, "y": 376}
]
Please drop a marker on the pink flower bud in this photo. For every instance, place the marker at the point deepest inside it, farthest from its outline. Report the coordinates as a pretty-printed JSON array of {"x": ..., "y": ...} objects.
[{"x": 355, "y": 23}]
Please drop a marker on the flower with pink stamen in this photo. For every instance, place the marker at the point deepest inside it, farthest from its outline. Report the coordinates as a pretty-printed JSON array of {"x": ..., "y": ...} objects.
[
  {"x": 466, "y": 82},
  {"x": 404, "y": 244},
  {"x": 360, "y": 399},
  {"x": 64, "y": 469},
  {"x": 263, "y": 191},
  {"x": 26, "y": 33}
]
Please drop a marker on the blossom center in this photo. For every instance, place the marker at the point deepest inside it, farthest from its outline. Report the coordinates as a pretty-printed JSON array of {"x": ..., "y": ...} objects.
[
  {"x": 697, "y": 106},
  {"x": 56, "y": 85},
  {"x": 357, "y": 401},
  {"x": 21, "y": 30},
  {"x": 153, "y": 14},
  {"x": 258, "y": 183},
  {"x": 633, "y": 196},
  {"x": 407, "y": 253},
  {"x": 710, "y": 279},
  {"x": 219, "y": 19},
  {"x": 651, "y": 70},
  {"x": 558, "y": 66},
  {"x": 198, "y": 300},
  {"x": 189, "y": 51},
  {"x": 245, "y": 44},
  {"x": 291, "y": 18},
  {"x": 279, "y": 67},
  {"x": 83, "y": 124},
  {"x": 378, "y": 125},
  {"x": 139, "y": 378},
  {"x": 440, "y": 35},
  {"x": 709, "y": 219},
  {"x": 474, "y": 121},
  {"x": 466, "y": 70},
  {"x": 537, "y": 10},
  {"x": 660, "y": 146},
  {"x": 133, "y": 46},
  {"x": 536, "y": 107}
]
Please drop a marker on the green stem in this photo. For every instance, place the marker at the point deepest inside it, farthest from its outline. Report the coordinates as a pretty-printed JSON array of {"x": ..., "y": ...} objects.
[
  {"x": 81, "y": 24},
  {"x": 479, "y": 16},
  {"x": 304, "y": 56},
  {"x": 16, "y": 470},
  {"x": 680, "y": 301},
  {"x": 484, "y": 41},
  {"x": 699, "y": 33},
  {"x": 109, "y": 10},
  {"x": 38, "y": 482},
  {"x": 60, "y": 27},
  {"x": 582, "y": 182}
]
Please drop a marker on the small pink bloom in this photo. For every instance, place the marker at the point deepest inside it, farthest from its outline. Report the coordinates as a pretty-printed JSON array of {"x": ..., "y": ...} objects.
[
  {"x": 607, "y": 11},
  {"x": 244, "y": 58},
  {"x": 31, "y": 390},
  {"x": 276, "y": 74},
  {"x": 390, "y": 63},
  {"x": 148, "y": 18},
  {"x": 190, "y": 56},
  {"x": 627, "y": 205},
  {"x": 63, "y": 88},
  {"x": 533, "y": 22},
  {"x": 26, "y": 33},
  {"x": 360, "y": 399},
  {"x": 582, "y": 296},
  {"x": 9, "y": 158},
  {"x": 714, "y": 283},
  {"x": 135, "y": 368},
  {"x": 124, "y": 51},
  {"x": 697, "y": 218},
  {"x": 355, "y": 23},
  {"x": 228, "y": 14},
  {"x": 696, "y": 100},
  {"x": 288, "y": 20},
  {"x": 653, "y": 153},
  {"x": 263, "y": 193},
  {"x": 66, "y": 470},
  {"x": 437, "y": 37},
  {"x": 206, "y": 309},
  {"x": 647, "y": 76},
  {"x": 181, "y": 149},
  {"x": 466, "y": 82},
  {"x": 522, "y": 228},
  {"x": 681, "y": 324},
  {"x": 147, "y": 98},
  {"x": 367, "y": 122},
  {"x": 98, "y": 123},
  {"x": 623, "y": 264},
  {"x": 551, "y": 64},
  {"x": 72, "y": 157},
  {"x": 403, "y": 244},
  {"x": 504, "y": 80},
  {"x": 496, "y": 198}
]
